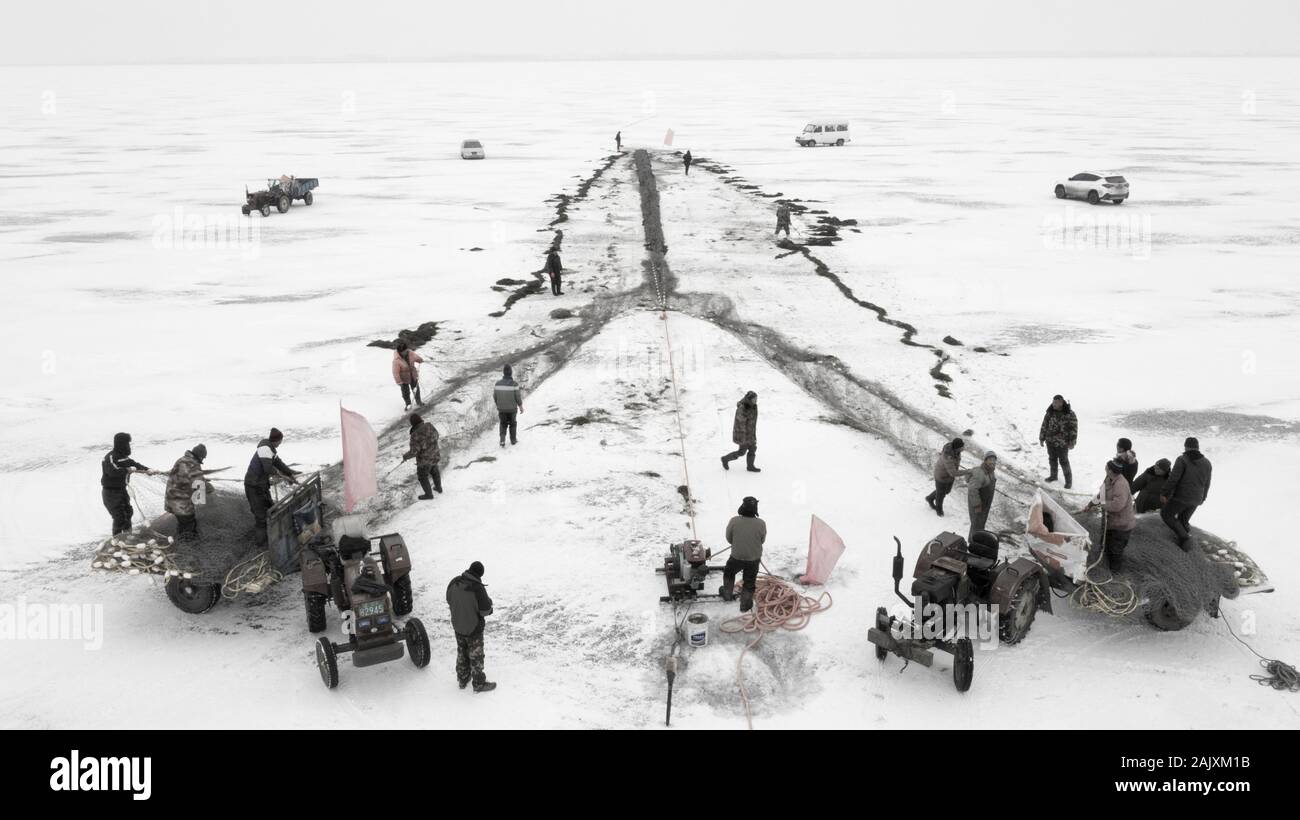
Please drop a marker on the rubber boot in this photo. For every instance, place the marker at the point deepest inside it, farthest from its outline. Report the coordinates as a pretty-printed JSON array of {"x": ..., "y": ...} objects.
[
  {"x": 726, "y": 463},
  {"x": 929, "y": 499},
  {"x": 749, "y": 462},
  {"x": 727, "y": 591},
  {"x": 746, "y": 600},
  {"x": 485, "y": 686}
]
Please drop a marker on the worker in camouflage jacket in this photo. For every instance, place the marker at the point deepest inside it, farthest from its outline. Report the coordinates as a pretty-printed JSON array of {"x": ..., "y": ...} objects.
[
  {"x": 744, "y": 433},
  {"x": 186, "y": 488},
  {"x": 1060, "y": 432},
  {"x": 424, "y": 449},
  {"x": 470, "y": 605}
]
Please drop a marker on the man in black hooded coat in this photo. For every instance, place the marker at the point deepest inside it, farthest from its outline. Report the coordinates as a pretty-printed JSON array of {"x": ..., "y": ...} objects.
[
  {"x": 117, "y": 467},
  {"x": 1186, "y": 489}
]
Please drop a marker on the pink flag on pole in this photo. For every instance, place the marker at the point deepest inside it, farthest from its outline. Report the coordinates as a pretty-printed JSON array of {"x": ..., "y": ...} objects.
[
  {"x": 668, "y": 137},
  {"x": 824, "y": 550},
  {"x": 360, "y": 447}
]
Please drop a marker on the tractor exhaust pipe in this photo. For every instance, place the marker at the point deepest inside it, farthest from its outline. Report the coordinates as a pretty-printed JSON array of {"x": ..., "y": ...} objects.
[{"x": 898, "y": 574}]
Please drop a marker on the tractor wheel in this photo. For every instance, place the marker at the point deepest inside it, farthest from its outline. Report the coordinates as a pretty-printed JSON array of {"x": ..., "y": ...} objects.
[
  {"x": 839, "y": 143},
  {"x": 282, "y": 204},
  {"x": 1093, "y": 199},
  {"x": 306, "y": 198},
  {"x": 266, "y": 210},
  {"x": 245, "y": 210},
  {"x": 963, "y": 664},
  {"x": 1060, "y": 192},
  {"x": 191, "y": 596},
  {"x": 315, "y": 611},
  {"x": 417, "y": 643},
  {"x": 1014, "y": 624},
  {"x": 403, "y": 598},
  {"x": 327, "y": 662},
  {"x": 1162, "y": 615}
]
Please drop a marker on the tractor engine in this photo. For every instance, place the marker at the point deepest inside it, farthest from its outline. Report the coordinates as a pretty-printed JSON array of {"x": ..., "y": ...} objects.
[{"x": 685, "y": 569}]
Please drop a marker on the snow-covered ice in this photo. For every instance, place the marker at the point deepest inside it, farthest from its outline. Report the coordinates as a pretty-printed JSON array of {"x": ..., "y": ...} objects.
[{"x": 1185, "y": 318}]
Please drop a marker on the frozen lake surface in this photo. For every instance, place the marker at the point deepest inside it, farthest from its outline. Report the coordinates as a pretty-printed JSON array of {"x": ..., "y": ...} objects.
[{"x": 140, "y": 299}]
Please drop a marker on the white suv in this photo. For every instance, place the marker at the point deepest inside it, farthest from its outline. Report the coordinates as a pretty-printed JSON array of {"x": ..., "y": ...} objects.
[
  {"x": 471, "y": 149},
  {"x": 1094, "y": 187}
]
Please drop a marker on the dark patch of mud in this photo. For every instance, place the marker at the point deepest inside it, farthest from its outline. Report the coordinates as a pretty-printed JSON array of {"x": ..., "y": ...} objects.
[
  {"x": 565, "y": 201},
  {"x": 658, "y": 274},
  {"x": 413, "y": 338},
  {"x": 479, "y": 460},
  {"x": 594, "y": 416},
  {"x": 1205, "y": 423},
  {"x": 561, "y": 313}
]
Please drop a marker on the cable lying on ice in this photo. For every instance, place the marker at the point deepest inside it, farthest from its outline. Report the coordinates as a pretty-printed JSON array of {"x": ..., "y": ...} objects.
[
  {"x": 251, "y": 576},
  {"x": 777, "y": 605}
]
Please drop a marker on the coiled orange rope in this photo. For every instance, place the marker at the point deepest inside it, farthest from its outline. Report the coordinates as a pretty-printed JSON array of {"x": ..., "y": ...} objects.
[{"x": 777, "y": 605}]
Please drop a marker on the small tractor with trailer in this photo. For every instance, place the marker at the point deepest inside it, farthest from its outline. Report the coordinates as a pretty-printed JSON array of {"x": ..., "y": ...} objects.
[
  {"x": 225, "y": 560},
  {"x": 950, "y": 572},
  {"x": 368, "y": 580},
  {"x": 280, "y": 194}
]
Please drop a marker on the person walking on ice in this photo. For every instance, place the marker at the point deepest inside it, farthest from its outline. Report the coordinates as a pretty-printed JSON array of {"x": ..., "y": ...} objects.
[
  {"x": 782, "y": 220},
  {"x": 744, "y": 433},
  {"x": 687, "y": 159},
  {"x": 424, "y": 449},
  {"x": 510, "y": 402}
]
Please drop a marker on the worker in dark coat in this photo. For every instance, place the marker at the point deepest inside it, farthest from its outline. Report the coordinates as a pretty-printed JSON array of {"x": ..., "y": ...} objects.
[
  {"x": 424, "y": 449},
  {"x": 1128, "y": 460},
  {"x": 746, "y": 533},
  {"x": 1151, "y": 485},
  {"x": 117, "y": 467},
  {"x": 744, "y": 433},
  {"x": 470, "y": 605},
  {"x": 263, "y": 467},
  {"x": 1060, "y": 432},
  {"x": 687, "y": 159},
  {"x": 1186, "y": 489},
  {"x": 782, "y": 219},
  {"x": 184, "y": 483},
  {"x": 947, "y": 469},
  {"x": 553, "y": 269},
  {"x": 510, "y": 402},
  {"x": 618, "y": 141}
]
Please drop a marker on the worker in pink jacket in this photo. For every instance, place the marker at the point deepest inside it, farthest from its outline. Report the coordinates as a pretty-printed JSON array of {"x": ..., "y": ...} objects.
[{"x": 406, "y": 372}]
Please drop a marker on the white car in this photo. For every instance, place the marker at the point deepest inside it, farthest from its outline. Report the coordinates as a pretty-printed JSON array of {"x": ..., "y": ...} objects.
[
  {"x": 471, "y": 149},
  {"x": 1094, "y": 187}
]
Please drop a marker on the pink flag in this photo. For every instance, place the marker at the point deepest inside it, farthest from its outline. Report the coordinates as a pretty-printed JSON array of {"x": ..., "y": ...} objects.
[
  {"x": 360, "y": 446},
  {"x": 668, "y": 137},
  {"x": 824, "y": 550}
]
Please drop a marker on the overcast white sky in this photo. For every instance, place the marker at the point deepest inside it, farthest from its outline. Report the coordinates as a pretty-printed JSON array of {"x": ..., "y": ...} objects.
[{"x": 143, "y": 31}]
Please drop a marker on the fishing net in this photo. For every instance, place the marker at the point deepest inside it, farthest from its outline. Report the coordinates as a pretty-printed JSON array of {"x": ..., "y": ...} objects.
[
  {"x": 225, "y": 541},
  {"x": 1166, "y": 579}
]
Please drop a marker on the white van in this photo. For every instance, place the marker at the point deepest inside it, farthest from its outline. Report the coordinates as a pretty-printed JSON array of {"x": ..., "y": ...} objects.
[{"x": 824, "y": 132}]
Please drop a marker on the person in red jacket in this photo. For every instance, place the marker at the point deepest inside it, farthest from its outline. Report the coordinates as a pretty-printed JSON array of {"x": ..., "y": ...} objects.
[{"x": 406, "y": 372}]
